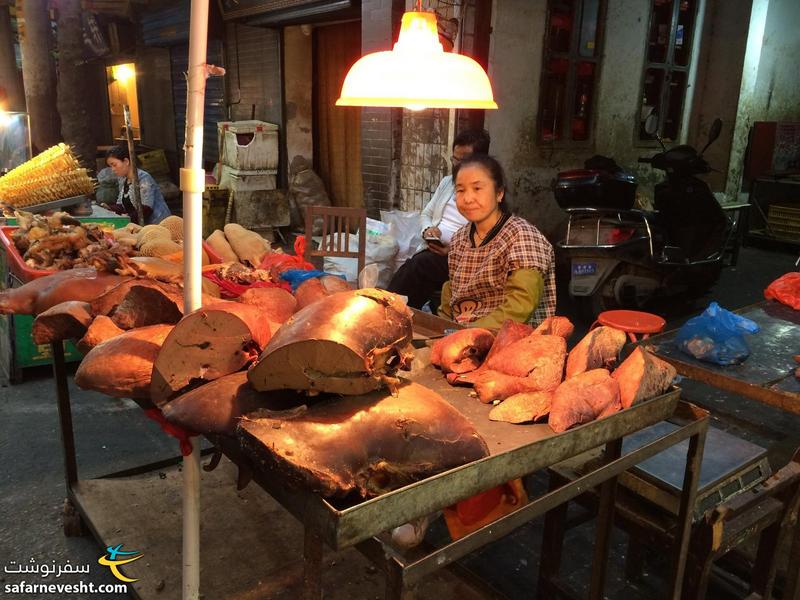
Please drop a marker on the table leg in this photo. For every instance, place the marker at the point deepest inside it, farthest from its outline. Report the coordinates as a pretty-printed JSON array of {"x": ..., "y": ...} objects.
[
  {"x": 312, "y": 565},
  {"x": 552, "y": 543},
  {"x": 605, "y": 523},
  {"x": 683, "y": 529},
  {"x": 394, "y": 580},
  {"x": 64, "y": 414}
]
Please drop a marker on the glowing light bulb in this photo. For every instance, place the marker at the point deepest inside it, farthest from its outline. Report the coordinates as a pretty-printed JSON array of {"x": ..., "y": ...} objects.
[
  {"x": 417, "y": 73},
  {"x": 122, "y": 73}
]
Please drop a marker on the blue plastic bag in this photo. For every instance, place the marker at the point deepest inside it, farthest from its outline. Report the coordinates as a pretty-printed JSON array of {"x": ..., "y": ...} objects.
[
  {"x": 716, "y": 335},
  {"x": 295, "y": 277}
]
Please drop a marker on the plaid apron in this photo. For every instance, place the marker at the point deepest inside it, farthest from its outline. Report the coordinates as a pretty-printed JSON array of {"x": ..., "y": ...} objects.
[{"x": 478, "y": 275}]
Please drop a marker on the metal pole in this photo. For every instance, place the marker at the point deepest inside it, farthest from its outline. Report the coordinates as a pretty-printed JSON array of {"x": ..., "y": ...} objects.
[
  {"x": 135, "y": 196},
  {"x": 192, "y": 184}
]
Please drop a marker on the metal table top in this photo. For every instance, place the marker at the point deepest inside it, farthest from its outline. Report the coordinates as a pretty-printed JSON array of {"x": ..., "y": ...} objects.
[
  {"x": 768, "y": 373},
  {"x": 516, "y": 450}
]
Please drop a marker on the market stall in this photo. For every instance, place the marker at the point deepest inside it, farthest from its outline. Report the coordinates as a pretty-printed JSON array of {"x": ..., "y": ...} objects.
[
  {"x": 335, "y": 332},
  {"x": 768, "y": 374}
]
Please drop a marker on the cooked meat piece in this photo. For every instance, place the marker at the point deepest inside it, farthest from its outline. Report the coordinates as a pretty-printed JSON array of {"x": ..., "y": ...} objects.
[
  {"x": 122, "y": 366},
  {"x": 556, "y": 326},
  {"x": 642, "y": 376},
  {"x": 364, "y": 445},
  {"x": 346, "y": 343},
  {"x": 462, "y": 351},
  {"x": 494, "y": 385},
  {"x": 523, "y": 407},
  {"x": 207, "y": 344},
  {"x": 65, "y": 321},
  {"x": 45, "y": 292},
  {"x": 101, "y": 329},
  {"x": 599, "y": 349},
  {"x": 583, "y": 398},
  {"x": 510, "y": 332},
  {"x": 216, "y": 407},
  {"x": 538, "y": 357}
]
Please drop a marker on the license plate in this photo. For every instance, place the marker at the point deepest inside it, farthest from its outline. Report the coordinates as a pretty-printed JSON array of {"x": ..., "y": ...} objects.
[{"x": 584, "y": 268}]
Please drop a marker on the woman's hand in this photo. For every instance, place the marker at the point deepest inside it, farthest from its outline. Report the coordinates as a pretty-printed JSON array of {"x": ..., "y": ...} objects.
[
  {"x": 432, "y": 232},
  {"x": 440, "y": 248}
]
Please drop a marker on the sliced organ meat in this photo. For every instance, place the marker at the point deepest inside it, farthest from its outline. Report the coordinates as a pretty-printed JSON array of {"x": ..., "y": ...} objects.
[
  {"x": 556, "y": 326},
  {"x": 122, "y": 366},
  {"x": 346, "y": 343},
  {"x": 66, "y": 321},
  {"x": 599, "y": 349},
  {"x": 365, "y": 445},
  {"x": 583, "y": 398},
  {"x": 462, "y": 351},
  {"x": 37, "y": 296},
  {"x": 523, "y": 408},
  {"x": 207, "y": 344},
  {"x": 145, "y": 305},
  {"x": 642, "y": 376}
]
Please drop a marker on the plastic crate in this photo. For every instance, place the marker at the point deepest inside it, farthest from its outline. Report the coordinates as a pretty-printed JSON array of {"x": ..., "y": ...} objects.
[
  {"x": 784, "y": 220},
  {"x": 247, "y": 181},
  {"x": 248, "y": 145},
  {"x": 154, "y": 162}
]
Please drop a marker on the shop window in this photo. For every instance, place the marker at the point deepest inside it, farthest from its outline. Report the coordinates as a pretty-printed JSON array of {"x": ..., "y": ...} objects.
[
  {"x": 570, "y": 70},
  {"x": 669, "y": 46}
]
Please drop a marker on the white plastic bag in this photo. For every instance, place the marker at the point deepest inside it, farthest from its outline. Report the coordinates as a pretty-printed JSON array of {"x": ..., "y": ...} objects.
[
  {"x": 406, "y": 227},
  {"x": 380, "y": 250}
]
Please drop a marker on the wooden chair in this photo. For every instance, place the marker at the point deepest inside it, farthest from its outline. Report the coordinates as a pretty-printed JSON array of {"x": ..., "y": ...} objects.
[{"x": 337, "y": 224}]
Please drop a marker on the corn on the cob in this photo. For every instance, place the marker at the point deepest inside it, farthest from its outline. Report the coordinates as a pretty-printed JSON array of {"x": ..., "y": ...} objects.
[{"x": 51, "y": 175}]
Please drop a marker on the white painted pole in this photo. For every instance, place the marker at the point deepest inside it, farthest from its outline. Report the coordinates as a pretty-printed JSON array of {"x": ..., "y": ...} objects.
[{"x": 192, "y": 184}]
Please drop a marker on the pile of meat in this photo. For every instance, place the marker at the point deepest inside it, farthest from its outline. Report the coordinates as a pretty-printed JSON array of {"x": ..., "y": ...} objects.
[
  {"x": 528, "y": 374},
  {"x": 285, "y": 360},
  {"x": 61, "y": 242}
]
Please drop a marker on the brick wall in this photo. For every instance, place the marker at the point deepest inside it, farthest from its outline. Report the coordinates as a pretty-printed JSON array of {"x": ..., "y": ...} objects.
[{"x": 380, "y": 127}]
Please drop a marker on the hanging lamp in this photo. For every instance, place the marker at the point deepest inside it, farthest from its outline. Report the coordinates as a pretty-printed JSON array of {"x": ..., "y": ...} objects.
[{"x": 417, "y": 73}]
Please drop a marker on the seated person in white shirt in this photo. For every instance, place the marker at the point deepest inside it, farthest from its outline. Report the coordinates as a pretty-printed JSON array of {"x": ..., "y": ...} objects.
[{"x": 425, "y": 273}]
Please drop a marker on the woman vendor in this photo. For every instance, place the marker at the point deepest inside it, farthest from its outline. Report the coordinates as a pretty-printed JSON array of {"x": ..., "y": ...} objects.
[
  {"x": 501, "y": 266},
  {"x": 153, "y": 205}
]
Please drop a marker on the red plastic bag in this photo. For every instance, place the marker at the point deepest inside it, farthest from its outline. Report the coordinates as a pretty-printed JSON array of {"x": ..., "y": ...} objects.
[
  {"x": 231, "y": 289},
  {"x": 785, "y": 289},
  {"x": 278, "y": 263}
]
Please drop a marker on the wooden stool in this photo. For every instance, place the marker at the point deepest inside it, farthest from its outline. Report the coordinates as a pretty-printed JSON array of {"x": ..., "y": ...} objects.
[{"x": 632, "y": 322}]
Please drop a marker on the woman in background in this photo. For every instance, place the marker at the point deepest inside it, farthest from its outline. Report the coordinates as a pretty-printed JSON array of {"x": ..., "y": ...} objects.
[
  {"x": 501, "y": 267},
  {"x": 153, "y": 205}
]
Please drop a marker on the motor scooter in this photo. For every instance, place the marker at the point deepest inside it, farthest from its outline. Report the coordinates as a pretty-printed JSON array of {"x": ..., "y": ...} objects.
[{"x": 623, "y": 257}]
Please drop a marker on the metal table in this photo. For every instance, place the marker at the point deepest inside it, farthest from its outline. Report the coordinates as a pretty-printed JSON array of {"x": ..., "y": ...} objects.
[
  {"x": 766, "y": 376},
  {"x": 515, "y": 451}
]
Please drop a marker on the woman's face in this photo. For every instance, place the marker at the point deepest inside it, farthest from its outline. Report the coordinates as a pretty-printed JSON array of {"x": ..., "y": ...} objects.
[
  {"x": 476, "y": 196},
  {"x": 120, "y": 167}
]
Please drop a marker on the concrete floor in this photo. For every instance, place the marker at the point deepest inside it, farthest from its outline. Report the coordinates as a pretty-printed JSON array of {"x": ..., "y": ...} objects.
[{"x": 112, "y": 435}]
